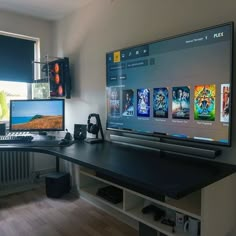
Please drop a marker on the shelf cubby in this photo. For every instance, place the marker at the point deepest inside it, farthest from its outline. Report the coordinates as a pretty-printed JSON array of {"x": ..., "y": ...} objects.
[{"x": 90, "y": 184}]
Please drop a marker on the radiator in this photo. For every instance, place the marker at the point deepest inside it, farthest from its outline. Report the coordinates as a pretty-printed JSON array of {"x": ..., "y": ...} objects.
[{"x": 15, "y": 168}]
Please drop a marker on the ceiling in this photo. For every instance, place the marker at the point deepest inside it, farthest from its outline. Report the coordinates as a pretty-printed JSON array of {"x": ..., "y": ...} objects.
[{"x": 44, "y": 9}]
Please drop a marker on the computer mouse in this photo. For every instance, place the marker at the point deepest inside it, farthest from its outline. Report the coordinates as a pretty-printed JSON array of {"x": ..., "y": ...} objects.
[{"x": 64, "y": 142}]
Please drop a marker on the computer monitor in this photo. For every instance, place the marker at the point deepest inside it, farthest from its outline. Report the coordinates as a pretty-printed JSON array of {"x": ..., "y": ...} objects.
[{"x": 37, "y": 115}]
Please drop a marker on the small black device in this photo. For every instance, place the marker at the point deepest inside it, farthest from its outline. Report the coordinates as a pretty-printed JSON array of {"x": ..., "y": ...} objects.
[
  {"x": 94, "y": 128},
  {"x": 2, "y": 129},
  {"x": 149, "y": 209},
  {"x": 158, "y": 212},
  {"x": 68, "y": 135},
  {"x": 168, "y": 222},
  {"x": 57, "y": 184},
  {"x": 67, "y": 139},
  {"x": 79, "y": 132},
  {"x": 111, "y": 194},
  {"x": 64, "y": 142}
]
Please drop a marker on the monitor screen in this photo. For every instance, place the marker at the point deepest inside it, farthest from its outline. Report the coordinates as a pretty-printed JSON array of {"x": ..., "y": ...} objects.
[
  {"x": 178, "y": 88},
  {"x": 37, "y": 115}
]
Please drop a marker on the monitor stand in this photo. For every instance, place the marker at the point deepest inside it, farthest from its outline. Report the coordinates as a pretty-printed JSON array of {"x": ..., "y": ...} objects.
[
  {"x": 42, "y": 133},
  {"x": 43, "y": 136}
]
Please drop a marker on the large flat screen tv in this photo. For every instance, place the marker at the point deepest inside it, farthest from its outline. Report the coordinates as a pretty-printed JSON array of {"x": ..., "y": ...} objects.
[
  {"x": 178, "y": 88},
  {"x": 37, "y": 115}
]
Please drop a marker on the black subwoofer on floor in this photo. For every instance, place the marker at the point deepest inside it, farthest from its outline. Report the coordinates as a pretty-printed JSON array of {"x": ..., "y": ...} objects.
[{"x": 57, "y": 184}]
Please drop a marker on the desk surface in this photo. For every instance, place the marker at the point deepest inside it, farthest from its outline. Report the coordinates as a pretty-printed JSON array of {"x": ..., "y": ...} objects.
[{"x": 144, "y": 170}]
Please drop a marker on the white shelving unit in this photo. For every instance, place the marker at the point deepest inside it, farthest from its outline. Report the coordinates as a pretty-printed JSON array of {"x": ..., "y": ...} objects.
[{"x": 191, "y": 205}]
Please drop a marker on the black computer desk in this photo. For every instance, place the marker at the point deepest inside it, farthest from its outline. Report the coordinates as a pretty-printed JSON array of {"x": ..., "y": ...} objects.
[{"x": 150, "y": 172}]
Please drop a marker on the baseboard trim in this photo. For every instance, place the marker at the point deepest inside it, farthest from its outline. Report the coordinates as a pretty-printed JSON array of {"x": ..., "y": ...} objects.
[{"x": 18, "y": 189}]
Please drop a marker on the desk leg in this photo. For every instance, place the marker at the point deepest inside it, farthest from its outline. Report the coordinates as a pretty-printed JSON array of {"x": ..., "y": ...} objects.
[
  {"x": 145, "y": 230},
  {"x": 57, "y": 164}
]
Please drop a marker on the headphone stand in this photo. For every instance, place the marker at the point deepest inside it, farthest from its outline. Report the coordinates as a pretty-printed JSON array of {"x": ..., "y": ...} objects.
[
  {"x": 98, "y": 129},
  {"x": 93, "y": 140}
]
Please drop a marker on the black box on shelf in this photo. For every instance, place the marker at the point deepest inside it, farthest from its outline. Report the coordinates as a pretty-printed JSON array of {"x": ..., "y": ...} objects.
[
  {"x": 57, "y": 184},
  {"x": 111, "y": 194}
]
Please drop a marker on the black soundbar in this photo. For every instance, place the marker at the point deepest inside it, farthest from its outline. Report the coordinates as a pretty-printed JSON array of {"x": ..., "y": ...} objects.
[{"x": 165, "y": 146}]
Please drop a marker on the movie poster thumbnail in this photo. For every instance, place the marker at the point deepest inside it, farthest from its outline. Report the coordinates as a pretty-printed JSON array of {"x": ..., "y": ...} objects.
[
  {"x": 204, "y": 102},
  {"x": 128, "y": 102},
  {"x": 224, "y": 102},
  {"x": 143, "y": 102},
  {"x": 180, "y": 102},
  {"x": 160, "y": 102},
  {"x": 114, "y": 102}
]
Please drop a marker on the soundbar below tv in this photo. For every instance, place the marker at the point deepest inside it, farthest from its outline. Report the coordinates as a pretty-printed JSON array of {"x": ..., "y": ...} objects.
[{"x": 177, "y": 88}]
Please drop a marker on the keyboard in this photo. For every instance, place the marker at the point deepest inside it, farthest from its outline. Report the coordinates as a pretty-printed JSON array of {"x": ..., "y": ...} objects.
[{"x": 13, "y": 139}]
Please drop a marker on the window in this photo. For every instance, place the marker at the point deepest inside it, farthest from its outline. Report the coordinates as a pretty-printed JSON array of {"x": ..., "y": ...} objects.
[
  {"x": 16, "y": 69},
  {"x": 8, "y": 91}
]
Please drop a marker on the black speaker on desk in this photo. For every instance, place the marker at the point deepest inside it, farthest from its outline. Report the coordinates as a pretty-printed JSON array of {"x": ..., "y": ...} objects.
[
  {"x": 80, "y": 131},
  {"x": 2, "y": 129},
  {"x": 57, "y": 184}
]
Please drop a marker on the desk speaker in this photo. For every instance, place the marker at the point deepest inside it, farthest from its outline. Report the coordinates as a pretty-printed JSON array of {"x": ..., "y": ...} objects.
[
  {"x": 2, "y": 129},
  {"x": 80, "y": 132}
]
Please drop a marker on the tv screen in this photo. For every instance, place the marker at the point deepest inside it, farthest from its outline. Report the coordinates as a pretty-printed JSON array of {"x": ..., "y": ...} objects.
[
  {"x": 179, "y": 87},
  {"x": 37, "y": 115}
]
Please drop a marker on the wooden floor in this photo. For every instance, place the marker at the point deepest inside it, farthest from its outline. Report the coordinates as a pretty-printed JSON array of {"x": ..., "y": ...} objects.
[{"x": 33, "y": 214}]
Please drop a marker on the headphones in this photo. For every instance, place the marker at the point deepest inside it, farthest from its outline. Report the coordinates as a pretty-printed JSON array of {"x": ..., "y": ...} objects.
[{"x": 93, "y": 128}]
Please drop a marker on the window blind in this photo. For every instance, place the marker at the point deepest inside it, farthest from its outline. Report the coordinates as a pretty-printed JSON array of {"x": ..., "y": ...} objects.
[{"x": 16, "y": 56}]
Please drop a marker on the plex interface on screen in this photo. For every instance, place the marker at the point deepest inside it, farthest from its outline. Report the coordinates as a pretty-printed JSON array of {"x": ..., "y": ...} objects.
[{"x": 179, "y": 86}]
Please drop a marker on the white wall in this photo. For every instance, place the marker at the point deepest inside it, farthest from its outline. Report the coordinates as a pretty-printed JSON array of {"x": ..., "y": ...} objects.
[
  {"x": 24, "y": 25},
  {"x": 106, "y": 25}
]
